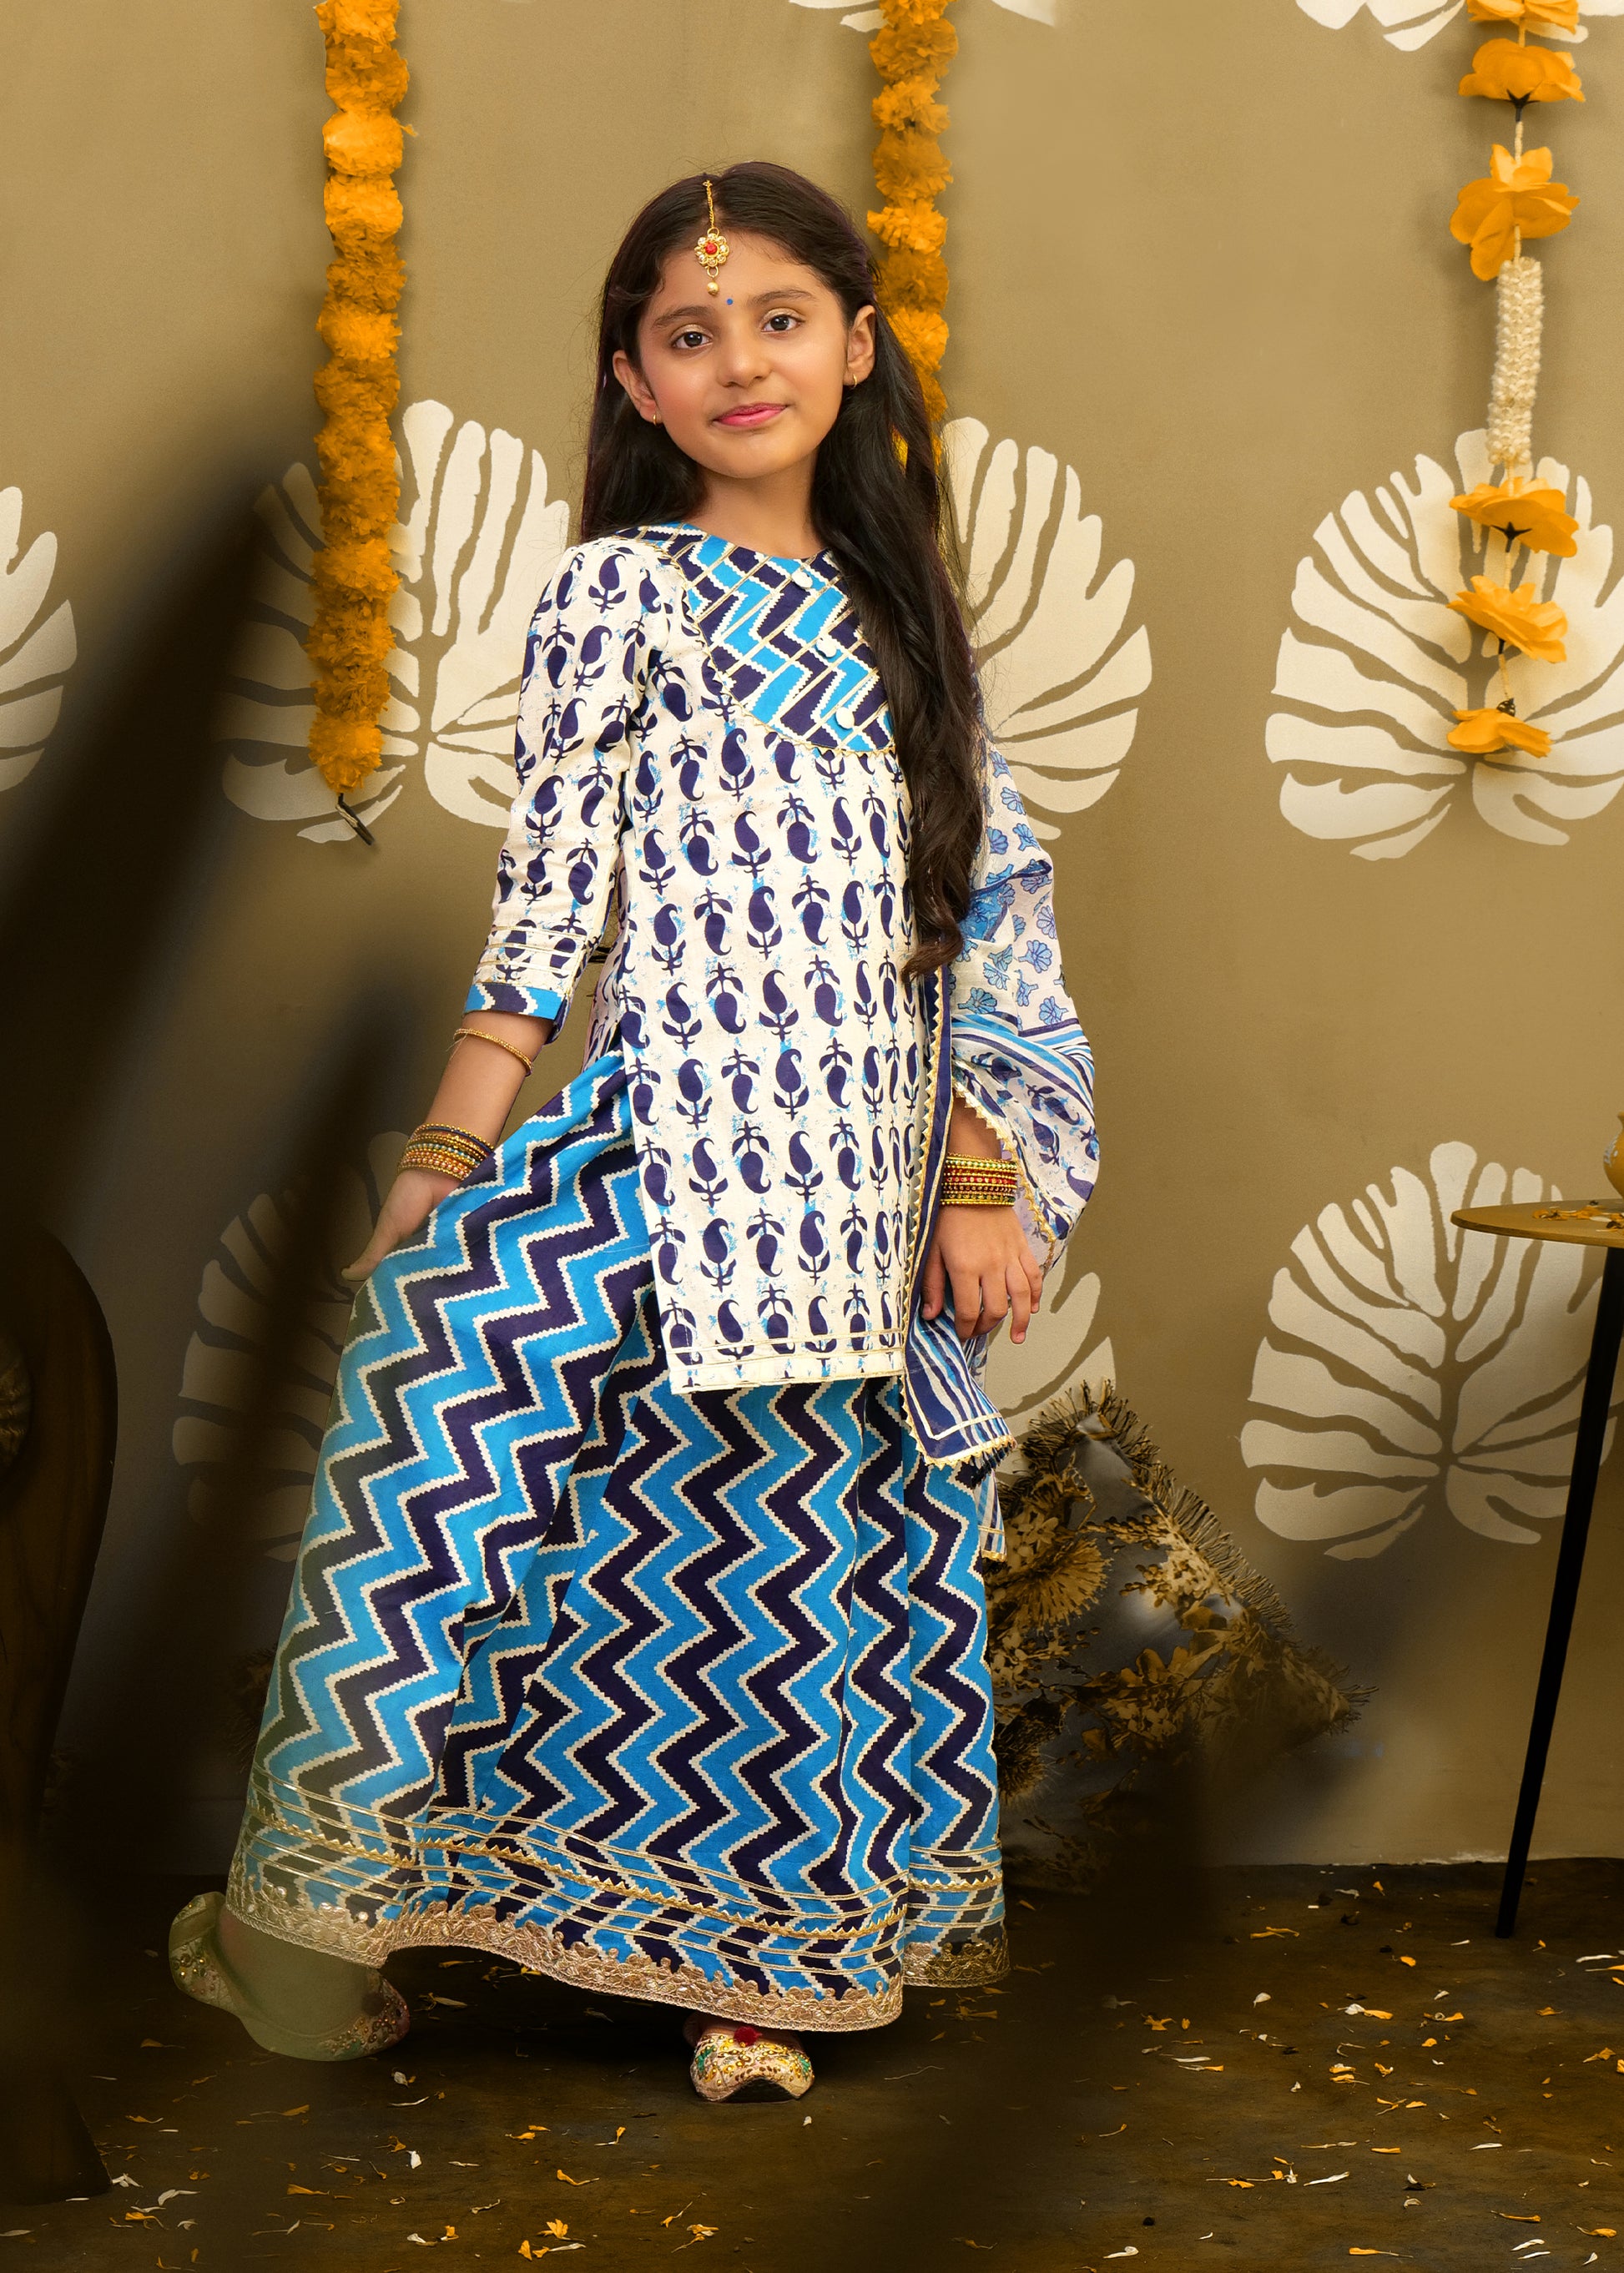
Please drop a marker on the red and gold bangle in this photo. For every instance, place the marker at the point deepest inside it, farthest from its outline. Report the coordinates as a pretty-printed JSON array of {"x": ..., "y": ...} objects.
[{"x": 968, "y": 1181}]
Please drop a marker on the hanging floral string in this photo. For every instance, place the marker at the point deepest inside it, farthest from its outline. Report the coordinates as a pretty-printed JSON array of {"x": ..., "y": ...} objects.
[
  {"x": 354, "y": 577},
  {"x": 1514, "y": 201},
  {"x": 911, "y": 51}
]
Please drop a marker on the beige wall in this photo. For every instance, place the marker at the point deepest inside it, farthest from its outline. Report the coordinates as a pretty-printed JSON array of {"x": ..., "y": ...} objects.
[{"x": 1198, "y": 255}]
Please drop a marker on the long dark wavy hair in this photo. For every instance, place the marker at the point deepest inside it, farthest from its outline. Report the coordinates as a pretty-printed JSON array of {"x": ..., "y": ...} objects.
[{"x": 879, "y": 510}]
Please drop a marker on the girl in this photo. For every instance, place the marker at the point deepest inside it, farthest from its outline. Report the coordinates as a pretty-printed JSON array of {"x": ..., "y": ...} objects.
[{"x": 637, "y": 1635}]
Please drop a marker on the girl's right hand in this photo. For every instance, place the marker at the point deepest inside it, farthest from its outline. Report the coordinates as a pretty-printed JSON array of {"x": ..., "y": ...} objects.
[{"x": 414, "y": 1192}]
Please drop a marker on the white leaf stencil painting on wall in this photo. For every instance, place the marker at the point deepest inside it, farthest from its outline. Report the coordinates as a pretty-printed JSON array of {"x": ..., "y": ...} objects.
[
  {"x": 1413, "y": 1369},
  {"x": 1377, "y": 664},
  {"x": 251, "y": 1420},
  {"x": 1059, "y": 673},
  {"x": 477, "y": 539},
  {"x": 1410, "y": 24},
  {"x": 38, "y": 646}
]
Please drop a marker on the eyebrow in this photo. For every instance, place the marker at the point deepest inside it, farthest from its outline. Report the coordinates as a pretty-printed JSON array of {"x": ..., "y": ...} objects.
[{"x": 703, "y": 308}]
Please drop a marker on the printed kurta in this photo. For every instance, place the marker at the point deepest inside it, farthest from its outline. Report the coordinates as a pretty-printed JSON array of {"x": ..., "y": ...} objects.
[
  {"x": 703, "y": 737},
  {"x": 656, "y": 1684}
]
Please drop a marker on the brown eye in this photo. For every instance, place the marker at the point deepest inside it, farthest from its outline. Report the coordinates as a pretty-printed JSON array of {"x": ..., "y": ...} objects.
[{"x": 689, "y": 339}]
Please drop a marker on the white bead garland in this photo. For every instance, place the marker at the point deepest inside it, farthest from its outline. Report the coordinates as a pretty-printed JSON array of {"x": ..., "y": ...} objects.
[{"x": 1520, "y": 312}]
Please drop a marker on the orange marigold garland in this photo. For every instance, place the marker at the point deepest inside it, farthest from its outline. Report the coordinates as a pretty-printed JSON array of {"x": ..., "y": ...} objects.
[
  {"x": 354, "y": 576},
  {"x": 911, "y": 52},
  {"x": 1494, "y": 217}
]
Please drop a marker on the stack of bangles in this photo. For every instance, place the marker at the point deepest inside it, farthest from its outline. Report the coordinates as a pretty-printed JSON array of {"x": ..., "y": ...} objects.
[
  {"x": 441, "y": 1147},
  {"x": 969, "y": 1182},
  {"x": 445, "y": 1151}
]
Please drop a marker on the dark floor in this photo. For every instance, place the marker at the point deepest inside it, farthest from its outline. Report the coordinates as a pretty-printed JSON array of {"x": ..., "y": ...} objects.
[{"x": 1183, "y": 2077}]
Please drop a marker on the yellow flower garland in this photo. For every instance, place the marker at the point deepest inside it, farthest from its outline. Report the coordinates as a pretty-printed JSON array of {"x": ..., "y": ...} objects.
[
  {"x": 911, "y": 52},
  {"x": 1495, "y": 217},
  {"x": 353, "y": 576}
]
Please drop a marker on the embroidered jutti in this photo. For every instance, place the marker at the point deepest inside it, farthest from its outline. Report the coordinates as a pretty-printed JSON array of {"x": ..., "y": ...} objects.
[{"x": 669, "y": 1678}]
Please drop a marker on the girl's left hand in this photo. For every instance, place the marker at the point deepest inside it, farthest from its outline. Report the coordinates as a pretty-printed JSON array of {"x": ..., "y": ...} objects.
[{"x": 981, "y": 1254}]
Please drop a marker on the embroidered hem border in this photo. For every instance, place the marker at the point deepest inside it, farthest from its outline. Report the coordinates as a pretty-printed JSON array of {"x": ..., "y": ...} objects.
[
  {"x": 539, "y": 1949},
  {"x": 352, "y": 1883}
]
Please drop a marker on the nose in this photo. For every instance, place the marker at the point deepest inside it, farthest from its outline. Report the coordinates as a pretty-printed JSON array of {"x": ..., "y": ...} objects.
[{"x": 741, "y": 355}]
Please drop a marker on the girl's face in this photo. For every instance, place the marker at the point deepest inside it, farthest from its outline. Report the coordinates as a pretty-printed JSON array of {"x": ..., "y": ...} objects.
[{"x": 747, "y": 384}]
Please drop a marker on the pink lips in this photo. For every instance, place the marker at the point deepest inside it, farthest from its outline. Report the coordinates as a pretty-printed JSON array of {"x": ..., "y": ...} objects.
[{"x": 750, "y": 414}]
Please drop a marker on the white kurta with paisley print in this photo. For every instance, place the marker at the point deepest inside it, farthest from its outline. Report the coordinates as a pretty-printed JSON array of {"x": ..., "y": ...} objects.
[{"x": 702, "y": 738}]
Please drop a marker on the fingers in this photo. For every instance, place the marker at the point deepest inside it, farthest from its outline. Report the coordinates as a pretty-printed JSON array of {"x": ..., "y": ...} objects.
[
  {"x": 371, "y": 1256},
  {"x": 1025, "y": 1291},
  {"x": 1020, "y": 1302},
  {"x": 966, "y": 1303},
  {"x": 987, "y": 1270},
  {"x": 934, "y": 1281},
  {"x": 410, "y": 1200}
]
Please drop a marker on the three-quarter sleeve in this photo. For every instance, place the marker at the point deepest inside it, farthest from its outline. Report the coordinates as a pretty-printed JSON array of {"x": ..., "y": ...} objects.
[
  {"x": 1020, "y": 1059},
  {"x": 590, "y": 659}
]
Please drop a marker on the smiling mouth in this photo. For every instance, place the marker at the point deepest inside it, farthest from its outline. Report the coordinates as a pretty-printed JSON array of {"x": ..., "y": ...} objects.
[{"x": 750, "y": 414}]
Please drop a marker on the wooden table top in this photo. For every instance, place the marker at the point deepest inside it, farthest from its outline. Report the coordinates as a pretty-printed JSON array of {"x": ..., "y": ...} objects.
[{"x": 1551, "y": 1219}]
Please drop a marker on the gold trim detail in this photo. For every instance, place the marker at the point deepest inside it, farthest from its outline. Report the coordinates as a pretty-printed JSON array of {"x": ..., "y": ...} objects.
[
  {"x": 541, "y": 1951},
  {"x": 965, "y": 1962},
  {"x": 275, "y": 1894}
]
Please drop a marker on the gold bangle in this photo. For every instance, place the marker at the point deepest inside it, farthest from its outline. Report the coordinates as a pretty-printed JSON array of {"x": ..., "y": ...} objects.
[
  {"x": 449, "y": 1151},
  {"x": 448, "y": 1129},
  {"x": 436, "y": 1164},
  {"x": 446, "y": 1141},
  {"x": 445, "y": 1150},
  {"x": 478, "y": 1034}
]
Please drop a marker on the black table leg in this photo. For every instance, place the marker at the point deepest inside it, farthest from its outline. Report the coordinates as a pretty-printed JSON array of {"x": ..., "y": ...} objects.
[{"x": 1570, "y": 1563}]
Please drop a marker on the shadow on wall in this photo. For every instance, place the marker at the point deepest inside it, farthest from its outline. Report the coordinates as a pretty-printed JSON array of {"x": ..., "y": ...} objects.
[{"x": 109, "y": 855}]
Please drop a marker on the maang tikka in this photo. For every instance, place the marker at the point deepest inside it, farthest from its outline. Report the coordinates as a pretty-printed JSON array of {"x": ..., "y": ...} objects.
[{"x": 712, "y": 249}]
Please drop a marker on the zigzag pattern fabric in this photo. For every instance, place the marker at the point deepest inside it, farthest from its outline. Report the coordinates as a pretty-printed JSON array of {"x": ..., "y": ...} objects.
[
  {"x": 682, "y": 1697},
  {"x": 783, "y": 636}
]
